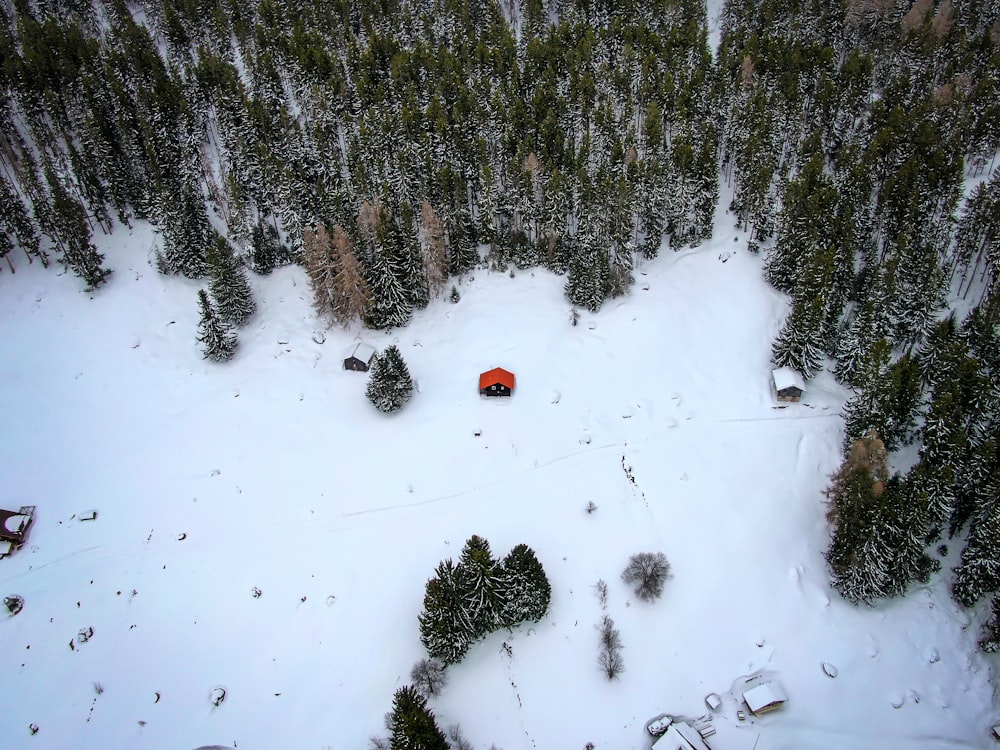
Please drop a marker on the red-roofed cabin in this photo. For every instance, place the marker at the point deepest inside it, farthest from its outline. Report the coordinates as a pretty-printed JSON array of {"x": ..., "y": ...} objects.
[{"x": 496, "y": 382}]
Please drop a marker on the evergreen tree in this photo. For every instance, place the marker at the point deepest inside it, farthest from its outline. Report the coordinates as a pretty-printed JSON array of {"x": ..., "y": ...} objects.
[
  {"x": 483, "y": 586},
  {"x": 411, "y": 723},
  {"x": 389, "y": 383},
  {"x": 990, "y": 640},
  {"x": 266, "y": 251},
  {"x": 72, "y": 234},
  {"x": 445, "y": 628},
  {"x": 875, "y": 548},
  {"x": 979, "y": 572},
  {"x": 218, "y": 341},
  {"x": 527, "y": 586},
  {"x": 799, "y": 343},
  {"x": 228, "y": 284}
]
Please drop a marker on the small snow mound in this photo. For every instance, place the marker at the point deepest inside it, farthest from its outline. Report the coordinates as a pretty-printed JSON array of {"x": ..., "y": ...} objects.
[
  {"x": 932, "y": 656},
  {"x": 828, "y": 669},
  {"x": 896, "y": 700}
]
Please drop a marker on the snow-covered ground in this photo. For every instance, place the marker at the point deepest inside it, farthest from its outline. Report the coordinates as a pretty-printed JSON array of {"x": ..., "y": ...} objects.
[{"x": 274, "y": 472}]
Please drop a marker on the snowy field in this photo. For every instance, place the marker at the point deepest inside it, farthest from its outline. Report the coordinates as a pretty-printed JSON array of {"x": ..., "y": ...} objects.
[{"x": 274, "y": 472}]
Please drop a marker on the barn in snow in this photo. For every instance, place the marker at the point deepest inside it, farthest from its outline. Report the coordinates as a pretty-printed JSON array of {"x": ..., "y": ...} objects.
[{"x": 496, "y": 382}]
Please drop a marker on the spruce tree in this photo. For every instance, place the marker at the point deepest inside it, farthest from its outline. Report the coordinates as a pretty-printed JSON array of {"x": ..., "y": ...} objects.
[
  {"x": 445, "y": 629},
  {"x": 228, "y": 284},
  {"x": 389, "y": 383},
  {"x": 979, "y": 572},
  {"x": 218, "y": 341},
  {"x": 411, "y": 723},
  {"x": 528, "y": 588},
  {"x": 483, "y": 588}
]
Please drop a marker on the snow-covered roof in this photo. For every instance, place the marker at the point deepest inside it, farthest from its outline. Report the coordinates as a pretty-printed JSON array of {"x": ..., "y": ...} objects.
[
  {"x": 680, "y": 736},
  {"x": 362, "y": 351},
  {"x": 6, "y": 547},
  {"x": 16, "y": 524},
  {"x": 762, "y": 696},
  {"x": 786, "y": 377}
]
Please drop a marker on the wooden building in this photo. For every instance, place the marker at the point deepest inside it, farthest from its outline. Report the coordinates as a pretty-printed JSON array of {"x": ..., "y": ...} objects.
[
  {"x": 14, "y": 527},
  {"x": 496, "y": 382},
  {"x": 787, "y": 384},
  {"x": 360, "y": 358}
]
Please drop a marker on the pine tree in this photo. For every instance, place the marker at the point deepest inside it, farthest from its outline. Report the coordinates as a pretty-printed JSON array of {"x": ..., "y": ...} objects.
[
  {"x": 228, "y": 284},
  {"x": 389, "y": 383},
  {"x": 266, "y": 252},
  {"x": 990, "y": 640},
  {"x": 72, "y": 234},
  {"x": 799, "y": 343},
  {"x": 527, "y": 586},
  {"x": 411, "y": 723},
  {"x": 979, "y": 572},
  {"x": 216, "y": 337},
  {"x": 482, "y": 585},
  {"x": 871, "y": 553},
  {"x": 445, "y": 629}
]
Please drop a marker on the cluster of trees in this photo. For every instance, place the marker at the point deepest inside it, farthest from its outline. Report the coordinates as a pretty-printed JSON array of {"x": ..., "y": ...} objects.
[
  {"x": 467, "y": 601},
  {"x": 849, "y": 136},
  {"x": 558, "y": 132}
]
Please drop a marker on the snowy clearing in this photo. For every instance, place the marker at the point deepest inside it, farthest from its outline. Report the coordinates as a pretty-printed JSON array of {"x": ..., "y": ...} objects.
[{"x": 262, "y": 534}]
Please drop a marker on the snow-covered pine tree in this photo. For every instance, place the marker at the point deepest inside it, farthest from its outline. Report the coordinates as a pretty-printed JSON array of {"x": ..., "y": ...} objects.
[
  {"x": 389, "y": 383},
  {"x": 527, "y": 586},
  {"x": 266, "y": 252},
  {"x": 218, "y": 341},
  {"x": 990, "y": 640},
  {"x": 482, "y": 585},
  {"x": 979, "y": 572},
  {"x": 587, "y": 281},
  {"x": 411, "y": 723},
  {"x": 799, "y": 343},
  {"x": 72, "y": 234},
  {"x": 861, "y": 550},
  {"x": 445, "y": 629},
  {"x": 228, "y": 284}
]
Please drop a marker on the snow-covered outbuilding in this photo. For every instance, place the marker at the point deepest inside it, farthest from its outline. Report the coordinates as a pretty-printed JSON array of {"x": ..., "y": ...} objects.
[
  {"x": 765, "y": 697},
  {"x": 14, "y": 527},
  {"x": 496, "y": 382},
  {"x": 680, "y": 736},
  {"x": 360, "y": 358},
  {"x": 788, "y": 384}
]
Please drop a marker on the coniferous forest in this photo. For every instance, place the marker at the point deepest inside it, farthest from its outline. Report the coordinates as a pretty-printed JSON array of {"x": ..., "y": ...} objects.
[{"x": 391, "y": 146}]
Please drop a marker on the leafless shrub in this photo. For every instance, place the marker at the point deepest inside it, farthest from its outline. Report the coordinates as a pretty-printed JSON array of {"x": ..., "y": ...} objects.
[
  {"x": 98, "y": 688},
  {"x": 601, "y": 589},
  {"x": 457, "y": 739},
  {"x": 429, "y": 677},
  {"x": 609, "y": 654},
  {"x": 378, "y": 743},
  {"x": 647, "y": 572}
]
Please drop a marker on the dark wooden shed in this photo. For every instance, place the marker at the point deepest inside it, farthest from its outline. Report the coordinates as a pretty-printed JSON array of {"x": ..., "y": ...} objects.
[
  {"x": 360, "y": 358},
  {"x": 496, "y": 382}
]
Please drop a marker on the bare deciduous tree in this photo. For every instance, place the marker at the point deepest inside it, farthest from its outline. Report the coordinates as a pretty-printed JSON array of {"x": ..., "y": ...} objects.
[
  {"x": 351, "y": 293},
  {"x": 601, "y": 589},
  {"x": 647, "y": 572},
  {"x": 609, "y": 653},
  {"x": 433, "y": 248},
  {"x": 456, "y": 739},
  {"x": 317, "y": 257},
  {"x": 429, "y": 677}
]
